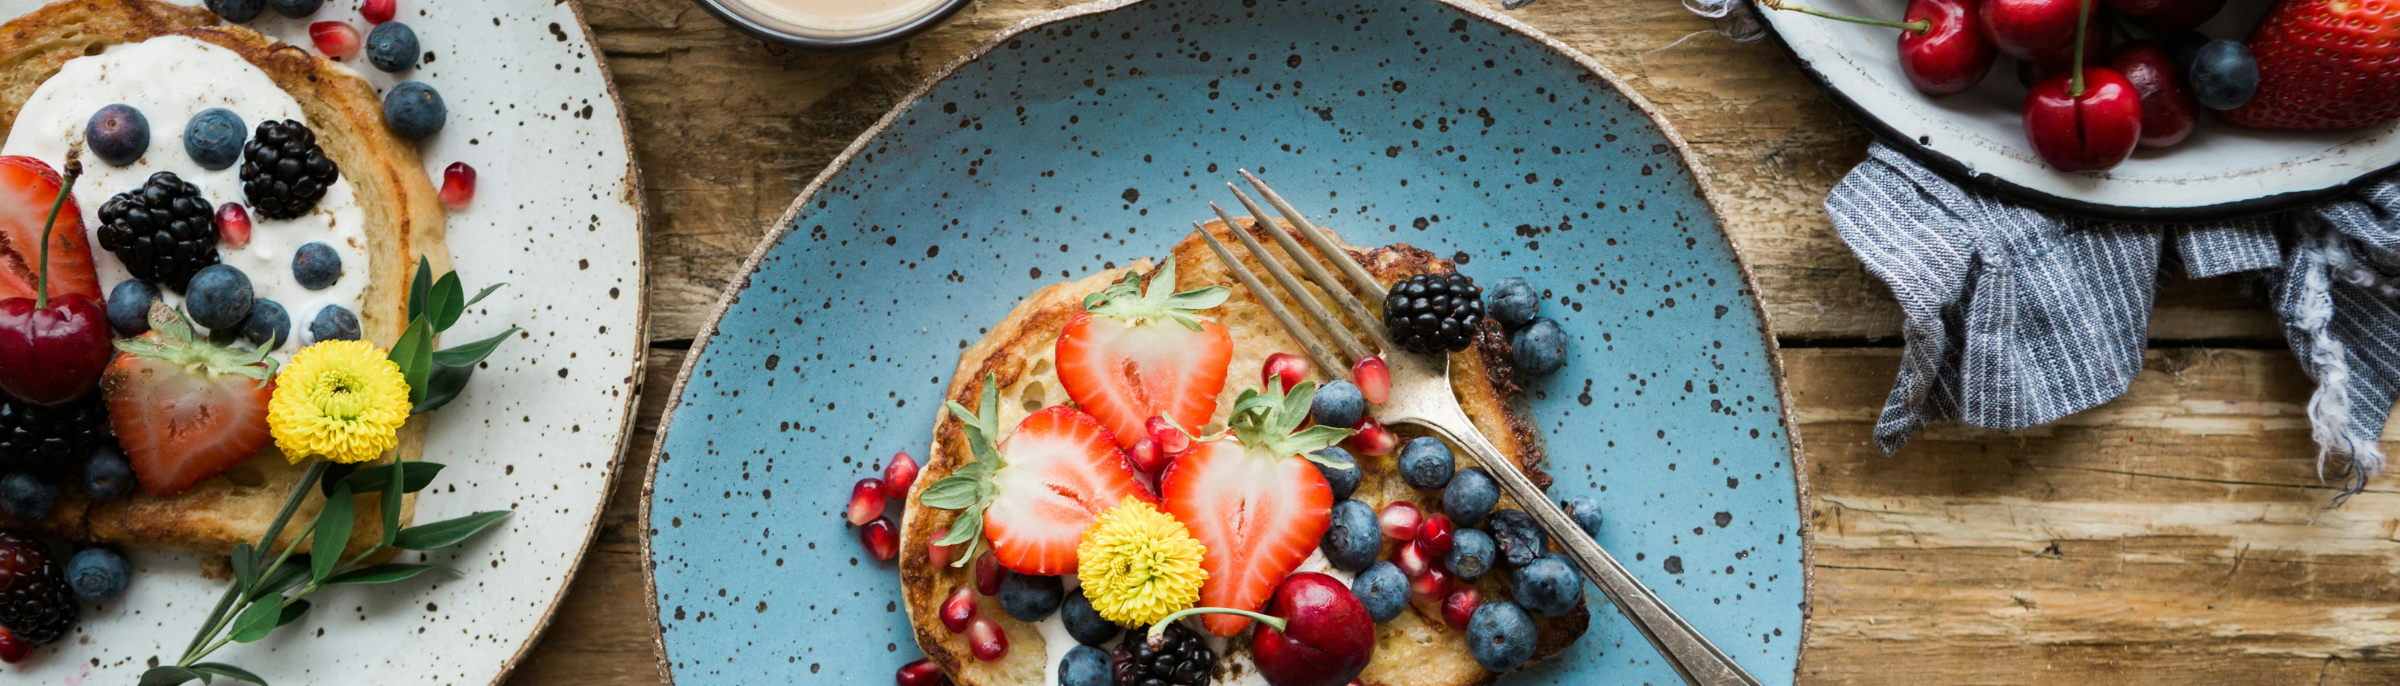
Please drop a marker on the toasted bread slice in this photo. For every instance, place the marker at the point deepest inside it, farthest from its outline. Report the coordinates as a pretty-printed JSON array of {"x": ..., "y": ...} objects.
[
  {"x": 404, "y": 222},
  {"x": 1415, "y": 649}
]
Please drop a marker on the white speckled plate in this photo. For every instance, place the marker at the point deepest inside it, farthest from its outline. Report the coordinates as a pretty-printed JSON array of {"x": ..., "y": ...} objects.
[{"x": 538, "y": 432}]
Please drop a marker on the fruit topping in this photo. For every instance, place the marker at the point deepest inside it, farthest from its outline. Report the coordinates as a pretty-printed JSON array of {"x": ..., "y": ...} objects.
[
  {"x": 1401, "y": 520},
  {"x": 1254, "y": 499},
  {"x": 1084, "y": 665},
  {"x": 881, "y": 537},
  {"x": 2224, "y": 75},
  {"x": 1437, "y": 535},
  {"x": 1519, "y": 540},
  {"x": 958, "y": 608},
  {"x": 1372, "y": 439},
  {"x": 185, "y": 409},
  {"x": 1085, "y": 623},
  {"x": 26, "y": 496},
  {"x": 1470, "y": 497},
  {"x": 1031, "y": 598},
  {"x": 98, "y": 574},
  {"x": 163, "y": 231},
  {"x": 129, "y": 307},
  {"x": 2325, "y": 64},
  {"x": 1539, "y": 349},
  {"x": 28, "y": 190},
  {"x": 1169, "y": 438},
  {"x": 1471, "y": 553},
  {"x": 1339, "y": 468},
  {"x": 392, "y": 47},
  {"x": 1285, "y": 368},
  {"x": 1585, "y": 511},
  {"x": 2031, "y": 30},
  {"x": 1173, "y": 656},
  {"x": 1433, "y": 312},
  {"x": 1426, "y": 463},
  {"x": 295, "y": 8},
  {"x": 413, "y": 110},
  {"x": 49, "y": 439},
  {"x": 117, "y": 134},
  {"x": 56, "y": 346},
  {"x": 1549, "y": 586},
  {"x": 1459, "y": 608},
  {"x": 899, "y": 474},
  {"x": 1148, "y": 458},
  {"x": 988, "y": 573},
  {"x": 1339, "y": 403},
  {"x": 107, "y": 476},
  {"x": 379, "y": 11},
  {"x": 866, "y": 501},
  {"x": 1500, "y": 636},
  {"x": 284, "y": 173},
  {"x": 219, "y": 297},
  {"x": 937, "y": 554},
  {"x": 1314, "y": 632},
  {"x": 1430, "y": 588},
  {"x": 233, "y": 225},
  {"x": 237, "y": 11},
  {"x": 458, "y": 185},
  {"x": 268, "y": 325},
  {"x": 1412, "y": 559},
  {"x": 334, "y": 323},
  {"x": 12, "y": 649},
  {"x": 922, "y": 672},
  {"x": 214, "y": 137},
  {"x": 35, "y": 602},
  {"x": 1351, "y": 540},
  {"x": 1033, "y": 493},
  {"x": 1374, "y": 379},
  {"x": 1382, "y": 590},
  {"x": 1136, "y": 353},
  {"x": 986, "y": 640}
]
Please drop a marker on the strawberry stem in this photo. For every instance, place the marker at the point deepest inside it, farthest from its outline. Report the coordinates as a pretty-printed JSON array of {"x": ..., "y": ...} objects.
[
  {"x": 1158, "y": 632},
  {"x": 1918, "y": 27},
  {"x": 41, "y": 287},
  {"x": 2083, "y": 22}
]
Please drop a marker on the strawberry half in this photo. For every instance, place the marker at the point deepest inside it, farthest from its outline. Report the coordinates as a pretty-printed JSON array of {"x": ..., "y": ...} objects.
[
  {"x": 184, "y": 409},
  {"x": 2324, "y": 64},
  {"x": 1254, "y": 500},
  {"x": 1136, "y": 353},
  {"x": 28, "y": 187},
  {"x": 1033, "y": 494}
]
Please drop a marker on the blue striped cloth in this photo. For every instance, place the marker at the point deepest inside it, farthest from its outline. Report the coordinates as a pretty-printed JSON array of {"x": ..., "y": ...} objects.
[{"x": 2015, "y": 317}]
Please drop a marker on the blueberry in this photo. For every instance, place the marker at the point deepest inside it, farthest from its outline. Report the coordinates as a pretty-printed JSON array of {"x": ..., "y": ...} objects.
[
  {"x": 1540, "y": 348},
  {"x": 1585, "y": 511},
  {"x": 334, "y": 323},
  {"x": 107, "y": 476},
  {"x": 1470, "y": 496},
  {"x": 2181, "y": 47},
  {"x": 1383, "y": 589},
  {"x": 295, "y": 8},
  {"x": 2224, "y": 75},
  {"x": 1085, "y": 623},
  {"x": 1549, "y": 586},
  {"x": 219, "y": 297},
  {"x": 98, "y": 575},
  {"x": 1344, "y": 480},
  {"x": 1471, "y": 553},
  {"x": 214, "y": 138},
  {"x": 413, "y": 110},
  {"x": 1500, "y": 635},
  {"x": 1086, "y": 666},
  {"x": 25, "y": 496},
  {"x": 1512, "y": 300},
  {"x": 316, "y": 266},
  {"x": 1339, "y": 403},
  {"x": 1354, "y": 537},
  {"x": 268, "y": 325},
  {"x": 118, "y": 134},
  {"x": 392, "y": 47},
  {"x": 237, "y": 11},
  {"x": 1425, "y": 462},
  {"x": 129, "y": 307},
  {"x": 1030, "y": 598},
  {"x": 1520, "y": 540}
]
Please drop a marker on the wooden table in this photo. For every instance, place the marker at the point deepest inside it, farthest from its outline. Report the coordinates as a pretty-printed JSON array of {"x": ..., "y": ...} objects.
[{"x": 2176, "y": 536}]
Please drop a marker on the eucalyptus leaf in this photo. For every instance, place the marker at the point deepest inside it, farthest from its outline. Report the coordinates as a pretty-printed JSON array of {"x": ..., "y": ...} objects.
[
  {"x": 259, "y": 619},
  {"x": 444, "y": 386},
  {"x": 448, "y": 532},
  {"x": 469, "y": 354},
  {"x": 487, "y": 291},
  {"x": 415, "y": 476},
  {"x": 383, "y": 574},
  {"x": 293, "y": 612},
  {"x": 333, "y": 532},
  {"x": 228, "y": 671},
  {"x": 420, "y": 289},
  {"x": 170, "y": 675},
  {"x": 448, "y": 302}
]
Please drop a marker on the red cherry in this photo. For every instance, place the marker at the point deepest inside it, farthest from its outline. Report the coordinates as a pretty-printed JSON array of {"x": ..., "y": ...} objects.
[
  {"x": 1411, "y": 559},
  {"x": 1373, "y": 440},
  {"x": 1460, "y": 606},
  {"x": 958, "y": 609},
  {"x": 2178, "y": 16},
  {"x": 233, "y": 225},
  {"x": 988, "y": 573},
  {"x": 866, "y": 501},
  {"x": 923, "y": 672},
  {"x": 936, "y": 554},
  {"x": 899, "y": 473},
  {"x": 1374, "y": 380},
  {"x": 1401, "y": 520},
  {"x": 1326, "y": 638},
  {"x": 53, "y": 354},
  {"x": 1285, "y": 367},
  {"x": 458, "y": 185},
  {"x": 1952, "y": 54},
  {"x": 881, "y": 538},
  {"x": 1435, "y": 535},
  {"x": 2168, "y": 109},
  {"x": 2095, "y": 45},
  {"x": 334, "y": 38},
  {"x": 1170, "y": 440},
  {"x": 986, "y": 640},
  {"x": 2029, "y": 29},
  {"x": 379, "y": 11},
  {"x": 12, "y": 649},
  {"x": 2091, "y": 132}
]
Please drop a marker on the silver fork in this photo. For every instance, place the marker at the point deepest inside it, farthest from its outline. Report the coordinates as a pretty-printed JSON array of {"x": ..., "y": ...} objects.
[{"x": 1421, "y": 396}]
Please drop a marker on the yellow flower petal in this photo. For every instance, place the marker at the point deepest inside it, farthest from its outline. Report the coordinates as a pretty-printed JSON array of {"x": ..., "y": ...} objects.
[
  {"x": 1138, "y": 565},
  {"x": 343, "y": 401}
]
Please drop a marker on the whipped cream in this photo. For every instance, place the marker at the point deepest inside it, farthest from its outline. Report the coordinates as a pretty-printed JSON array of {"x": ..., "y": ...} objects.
[{"x": 169, "y": 79}]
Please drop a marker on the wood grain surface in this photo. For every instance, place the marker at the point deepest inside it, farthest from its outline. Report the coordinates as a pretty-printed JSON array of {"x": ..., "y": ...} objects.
[{"x": 2176, "y": 536}]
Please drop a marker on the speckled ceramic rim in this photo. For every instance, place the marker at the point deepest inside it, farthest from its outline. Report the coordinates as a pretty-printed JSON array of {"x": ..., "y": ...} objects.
[
  {"x": 783, "y": 226},
  {"x": 771, "y": 34}
]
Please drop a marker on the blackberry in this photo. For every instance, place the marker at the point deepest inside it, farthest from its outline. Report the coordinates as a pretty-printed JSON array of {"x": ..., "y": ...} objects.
[
  {"x": 1181, "y": 659},
  {"x": 1434, "y": 312},
  {"x": 50, "y": 440},
  {"x": 164, "y": 231},
  {"x": 36, "y": 602},
  {"x": 284, "y": 173}
]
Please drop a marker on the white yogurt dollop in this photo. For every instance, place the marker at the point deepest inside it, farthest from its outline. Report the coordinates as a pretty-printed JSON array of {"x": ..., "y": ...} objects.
[{"x": 170, "y": 79}]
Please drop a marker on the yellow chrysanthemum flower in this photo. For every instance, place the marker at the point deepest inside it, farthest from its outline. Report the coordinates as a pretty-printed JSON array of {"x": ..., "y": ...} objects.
[
  {"x": 340, "y": 400},
  {"x": 1139, "y": 565}
]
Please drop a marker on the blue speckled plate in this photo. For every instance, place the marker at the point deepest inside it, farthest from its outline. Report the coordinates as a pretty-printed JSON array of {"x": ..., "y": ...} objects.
[{"x": 1095, "y": 135}]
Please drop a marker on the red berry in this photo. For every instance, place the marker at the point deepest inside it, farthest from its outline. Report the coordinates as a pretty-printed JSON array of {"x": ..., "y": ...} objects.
[
  {"x": 1285, "y": 367},
  {"x": 881, "y": 537},
  {"x": 12, "y": 649},
  {"x": 1374, "y": 380},
  {"x": 233, "y": 225},
  {"x": 458, "y": 185},
  {"x": 1434, "y": 536},
  {"x": 923, "y": 672},
  {"x": 379, "y": 11},
  {"x": 866, "y": 501},
  {"x": 1431, "y": 587},
  {"x": 939, "y": 555},
  {"x": 1460, "y": 606},
  {"x": 1412, "y": 560},
  {"x": 1952, "y": 54},
  {"x": 1401, "y": 520},
  {"x": 900, "y": 473},
  {"x": 1372, "y": 439},
  {"x": 2089, "y": 132},
  {"x": 1169, "y": 438},
  {"x": 1148, "y": 458},
  {"x": 988, "y": 573},
  {"x": 958, "y": 608},
  {"x": 985, "y": 638},
  {"x": 334, "y": 38}
]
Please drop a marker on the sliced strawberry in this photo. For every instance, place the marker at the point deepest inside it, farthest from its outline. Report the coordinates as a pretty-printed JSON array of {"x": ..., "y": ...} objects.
[
  {"x": 1132, "y": 355},
  {"x": 185, "y": 410},
  {"x": 1259, "y": 517},
  {"x": 28, "y": 188},
  {"x": 1059, "y": 469}
]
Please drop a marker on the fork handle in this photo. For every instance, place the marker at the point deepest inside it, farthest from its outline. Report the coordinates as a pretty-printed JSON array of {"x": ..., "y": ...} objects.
[{"x": 1697, "y": 660}]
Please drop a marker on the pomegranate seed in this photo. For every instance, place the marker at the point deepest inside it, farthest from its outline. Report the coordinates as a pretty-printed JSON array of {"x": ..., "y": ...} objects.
[
  {"x": 923, "y": 672},
  {"x": 458, "y": 185},
  {"x": 988, "y": 573},
  {"x": 866, "y": 501},
  {"x": 1285, "y": 367},
  {"x": 1170, "y": 438},
  {"x": 939, "y": 555},
  {"x": 1401, "y": 520},
  {"x": 1435, "y": 535},
  {"x": 1372, "y": 439},
  {"x": 13, "y": 651},
  {"x": 1431, "y": 587},
  {"x": 1148, "y": 458},
  {"x": 1374, "y": 380},
  {"x": 233, "y": 225},
  {"x": 985, "y": 638},
  {"x": 958, "y": 608},
  {"x": 900, "y": 472},
  {"x": 881, "y": 537},
  {"x": 334, "y": 38},
  {"x": 1412, "y": 560},
  {"x": 1460, "y": 607},
  {"x": 379, "y": 11}
]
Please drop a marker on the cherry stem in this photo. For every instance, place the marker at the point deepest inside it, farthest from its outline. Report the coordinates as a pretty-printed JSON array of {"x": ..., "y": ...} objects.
[
  {"x": 1159, "y": 630},
  {"x": 1919, "y": 26},
  {"x": 2083, "y": 22},
  {"x": 41, "y": 287}
]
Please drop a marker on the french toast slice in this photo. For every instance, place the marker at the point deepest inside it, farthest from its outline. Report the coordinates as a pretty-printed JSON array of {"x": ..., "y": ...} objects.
[
  {"x": 404, "y": 222},
  {"x": 1415, "y": 649}
]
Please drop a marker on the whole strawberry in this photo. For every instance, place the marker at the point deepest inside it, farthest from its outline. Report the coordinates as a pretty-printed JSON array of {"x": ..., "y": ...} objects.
[{"x": 2325, "y": 64}]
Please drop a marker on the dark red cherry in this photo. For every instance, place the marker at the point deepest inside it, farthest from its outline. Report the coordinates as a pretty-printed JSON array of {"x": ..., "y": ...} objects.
[
  {"x": 1951, "y": 55},
  {"x": 52, "y": 355},
  {"x": 2091, "y": 131}
]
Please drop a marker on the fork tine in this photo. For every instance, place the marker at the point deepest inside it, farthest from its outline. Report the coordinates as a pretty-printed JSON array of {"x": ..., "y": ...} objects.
[
  {"x": 1283, "y": 277},
  {"x": 1308, "y": 341},
  {"x": 1316, "y": 237},
  {"x": 1316, "y": 272}
]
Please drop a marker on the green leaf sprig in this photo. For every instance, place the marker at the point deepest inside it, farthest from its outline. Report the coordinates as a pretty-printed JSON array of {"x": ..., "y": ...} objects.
[
  {"x": 970, "y": 489},
  {"x": 1129, "y": 301},
  {"x": 436, "y": 377},
  {"x": 1267, "y": 422}
]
